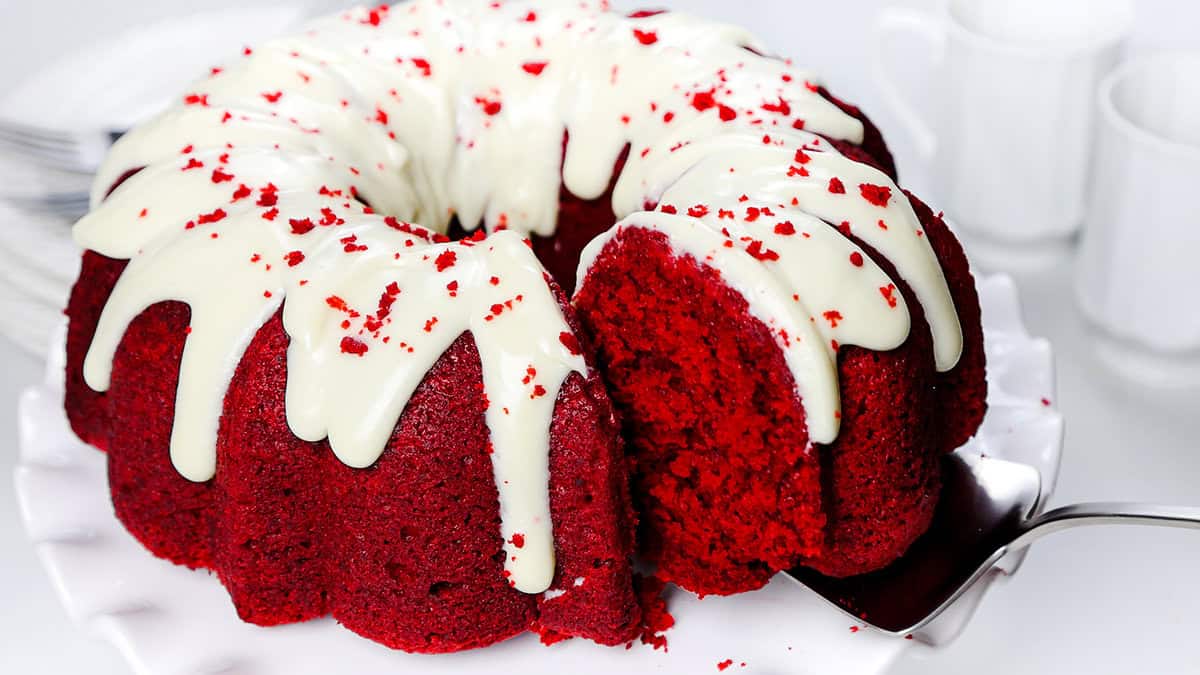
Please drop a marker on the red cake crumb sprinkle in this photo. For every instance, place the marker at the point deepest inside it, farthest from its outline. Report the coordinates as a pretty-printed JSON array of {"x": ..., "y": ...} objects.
[
  {"x": 656, "y": 620},
  {"x": 570, "y": 342},
  {"x": 703, "y": 100},
  {"x": 272, "y": 96},
  {"x": 889, "y": 294},
  {"x": 187, "y": 149},
  {"x": 785, "y": 228},
  {"x": 727, "y": 114},
  {"x": 241, "y": 192},
  {"x": 351, "y": 346},
  {"x": 193, "y": 163},
  {"x": 495, "y": 281},
  {"x": 836, "y": 186},
  {"x": 294, "y": 258},
  {"x": 853, "y": 629},
  {"x": 490, "y": 107},
  {"x": 423, "y": 65},
  {"x": 856, "y": 259},
  {"x": 752, "y": 213},
  {"x": 452, "y": 287},
  {"x": 782, "y": 107},
  {"x": 549, "y": 637},
  {"x": 143, "y": 213},
  {"x": 646, "y": 37},
  {"x": 196, "y": 99},
  {"x": 531, "y": 17},
  {"x": 669, "y": 208},
  {"x": 350, "y": 245},
  {"x": 445, "y": 260},
  {"x": 301, "y": 225},
  {"x": 802, "y": 157},
  {"x": 430, "y": 323},
  {"x": 337, "y": 303},
  {"x": 1046, "y": 402},
  {"x": 646, "y": 13},
  {"x": 381, "y": 115},
  {"x": 268, "y": 195},
  {"x": 534, "y": 68},
  {"x": 833, "y": 317},
  {"x": 270, "y": 214},
  {"x": 876, "y": 194},
  {"x": 698, "y": 211},
  {"x": 375, "y": 15},
  {"x": 517, "y": 540},
  {"x": 215, "y": 216},
  {"x": 219, "y": 176},
  {"x": 722, "y": 665},
  {"x": 328, "y": 217},
  {"x": 760, "y": 252}
]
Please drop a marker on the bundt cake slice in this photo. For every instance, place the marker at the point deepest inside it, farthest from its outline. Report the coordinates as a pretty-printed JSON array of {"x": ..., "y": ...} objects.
[{"x": 793, "y": 343}]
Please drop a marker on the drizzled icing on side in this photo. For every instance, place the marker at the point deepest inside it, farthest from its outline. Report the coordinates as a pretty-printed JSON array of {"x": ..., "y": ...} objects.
[
  {"x": 371, "y": 304},
  {"x": 437, "y": 109}
]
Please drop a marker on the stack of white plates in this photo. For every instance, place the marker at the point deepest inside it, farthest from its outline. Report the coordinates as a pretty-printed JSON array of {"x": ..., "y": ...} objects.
[{"x": 111, "y": 83}]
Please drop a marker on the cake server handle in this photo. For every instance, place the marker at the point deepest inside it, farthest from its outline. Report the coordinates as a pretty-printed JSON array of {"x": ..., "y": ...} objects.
[{"x": 1105, "y": 513}]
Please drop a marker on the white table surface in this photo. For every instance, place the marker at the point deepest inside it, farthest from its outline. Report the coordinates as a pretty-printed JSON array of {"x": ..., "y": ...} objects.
[{"x": 1104, "y": 600}]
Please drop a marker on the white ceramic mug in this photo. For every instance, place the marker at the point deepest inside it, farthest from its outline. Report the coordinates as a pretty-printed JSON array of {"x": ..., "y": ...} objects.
[
  {"x": 1012, "y": 109},
  {"x": 1138, "y": 275}
]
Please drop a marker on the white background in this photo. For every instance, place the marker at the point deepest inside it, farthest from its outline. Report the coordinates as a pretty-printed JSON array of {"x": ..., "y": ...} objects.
[{"x": 1092, "y": 601}]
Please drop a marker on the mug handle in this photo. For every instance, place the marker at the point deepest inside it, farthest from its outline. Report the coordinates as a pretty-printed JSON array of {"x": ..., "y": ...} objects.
[{"x": 926, "y": 27}]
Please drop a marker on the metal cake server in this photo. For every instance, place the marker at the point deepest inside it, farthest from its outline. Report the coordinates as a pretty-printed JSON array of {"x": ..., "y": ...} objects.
[{"x": 986, "y": 512}]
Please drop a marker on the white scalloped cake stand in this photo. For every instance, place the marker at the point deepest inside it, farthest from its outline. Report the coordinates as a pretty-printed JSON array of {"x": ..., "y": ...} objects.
[{"x": 167, "y": 619}]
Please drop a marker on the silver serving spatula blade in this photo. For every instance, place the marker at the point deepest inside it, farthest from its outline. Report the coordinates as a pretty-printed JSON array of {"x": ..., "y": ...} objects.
[{"x": 986, "y": 512}]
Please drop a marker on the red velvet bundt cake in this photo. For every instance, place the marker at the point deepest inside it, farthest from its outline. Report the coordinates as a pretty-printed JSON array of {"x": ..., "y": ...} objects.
[{"x": 341, "y": 412}]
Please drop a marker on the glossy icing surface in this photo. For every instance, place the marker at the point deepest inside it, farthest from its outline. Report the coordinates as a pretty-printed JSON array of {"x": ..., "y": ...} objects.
[{"x": 434, "y": 110}]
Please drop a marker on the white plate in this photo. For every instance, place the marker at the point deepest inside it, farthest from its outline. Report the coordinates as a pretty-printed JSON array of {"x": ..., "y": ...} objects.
[
  {"x": 91, "y": 87},
  {"x": 167, "y": 619}
]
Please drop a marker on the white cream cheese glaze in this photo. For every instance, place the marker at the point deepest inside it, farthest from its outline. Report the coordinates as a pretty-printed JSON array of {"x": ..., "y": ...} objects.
[{"x": 436, "y": 109}]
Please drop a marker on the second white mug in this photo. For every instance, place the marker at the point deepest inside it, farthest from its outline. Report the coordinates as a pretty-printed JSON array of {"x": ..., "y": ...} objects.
[{"x": 1008, "y": 139}]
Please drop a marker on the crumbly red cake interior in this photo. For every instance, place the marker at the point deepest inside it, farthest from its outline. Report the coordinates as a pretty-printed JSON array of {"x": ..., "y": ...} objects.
[
  {"x": 709, "y": 435},
  {"x": 727, "y": 490}
]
